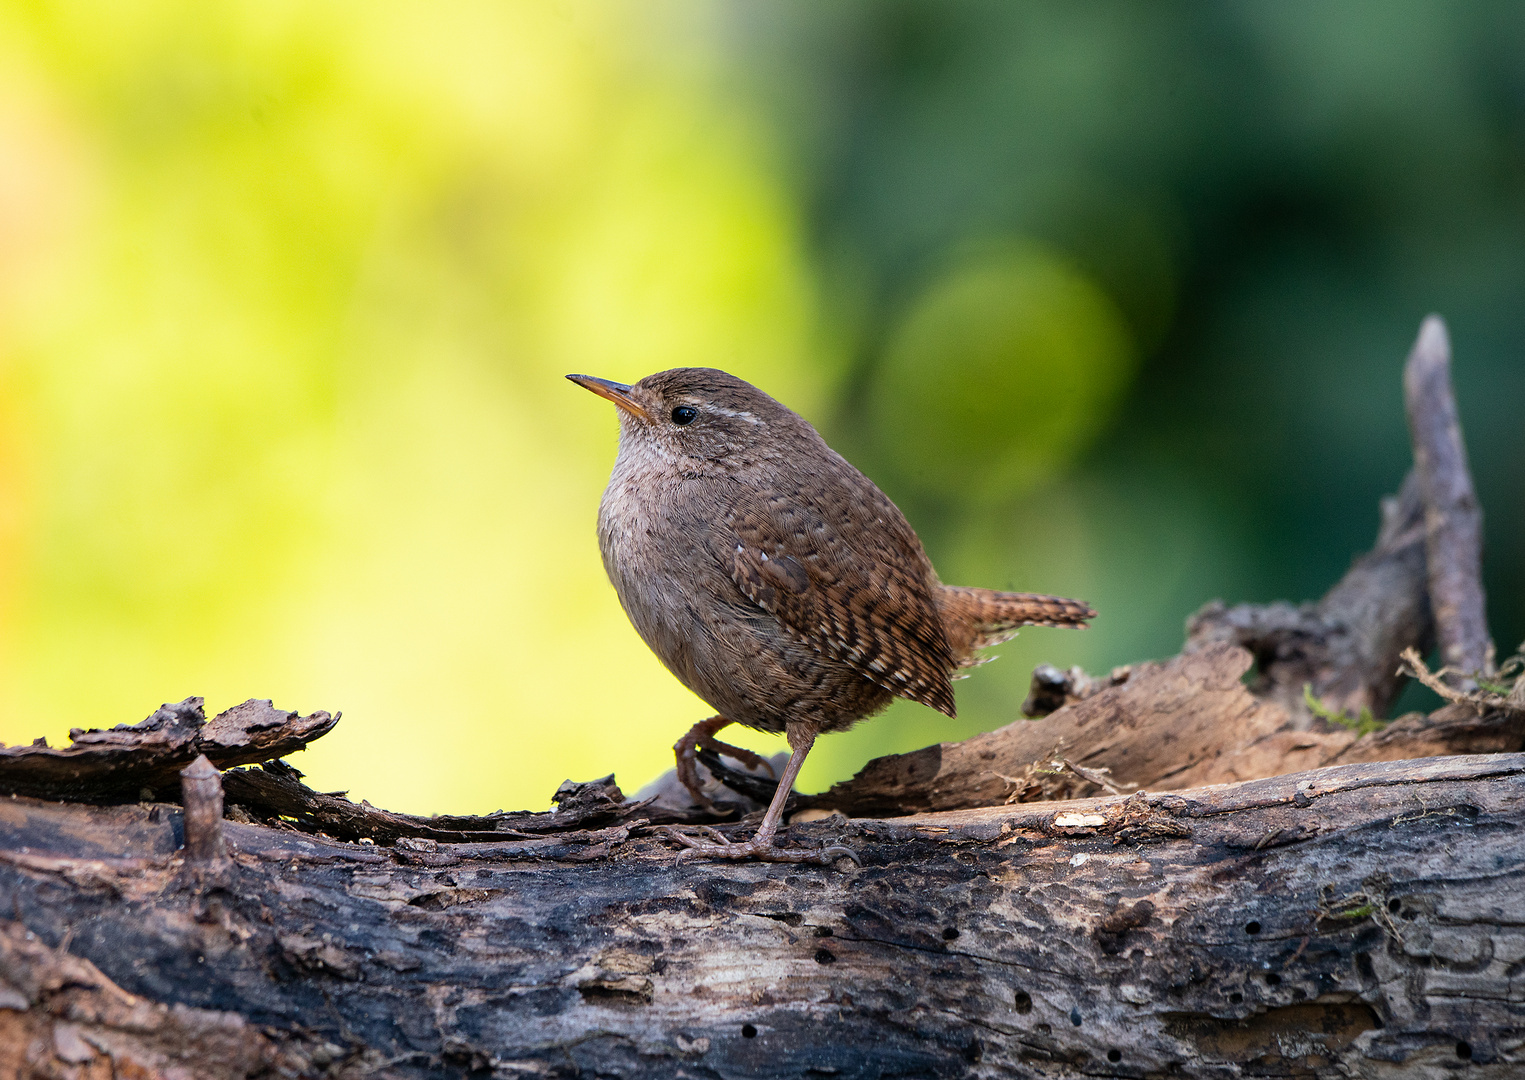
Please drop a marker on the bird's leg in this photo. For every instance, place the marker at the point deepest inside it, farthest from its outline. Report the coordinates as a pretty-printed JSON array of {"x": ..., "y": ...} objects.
[
  {"x": 703, "y": 734},
  {"x": 761, "y": 846}
]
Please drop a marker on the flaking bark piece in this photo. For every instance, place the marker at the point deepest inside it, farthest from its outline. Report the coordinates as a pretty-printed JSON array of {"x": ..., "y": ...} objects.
[{"x": 128, "y": 763}]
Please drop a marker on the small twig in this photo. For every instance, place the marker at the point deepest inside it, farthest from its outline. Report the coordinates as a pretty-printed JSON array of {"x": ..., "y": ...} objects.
[
  {"x": 1453, "y": 518},
  {"x": 1100, "y": 777},
  {"x": 1413, "y": 665}
]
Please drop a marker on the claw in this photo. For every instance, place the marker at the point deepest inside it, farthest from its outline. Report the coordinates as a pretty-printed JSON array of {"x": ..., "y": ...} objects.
[{"x": 688, "y": 770}]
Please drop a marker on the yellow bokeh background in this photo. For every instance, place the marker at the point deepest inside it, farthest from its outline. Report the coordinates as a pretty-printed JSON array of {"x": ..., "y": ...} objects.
[{"x": 287, "y": 292}]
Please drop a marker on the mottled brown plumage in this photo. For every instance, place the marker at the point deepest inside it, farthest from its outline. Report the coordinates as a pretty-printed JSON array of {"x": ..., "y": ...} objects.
[{"x": 774, "y": 579}]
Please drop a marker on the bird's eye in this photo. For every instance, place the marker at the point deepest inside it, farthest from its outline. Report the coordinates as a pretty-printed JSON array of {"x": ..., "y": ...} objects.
[{"x": 684, "y": 415}]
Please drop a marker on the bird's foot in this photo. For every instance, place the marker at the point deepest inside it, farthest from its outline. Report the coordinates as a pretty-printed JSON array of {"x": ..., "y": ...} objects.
[
  {"x": 703, "y": 734},
  {"x": 751, "y": 849}
]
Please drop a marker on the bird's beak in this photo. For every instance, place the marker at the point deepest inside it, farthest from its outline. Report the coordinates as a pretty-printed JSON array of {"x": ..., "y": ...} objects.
[{"x": 618, "y": 393}]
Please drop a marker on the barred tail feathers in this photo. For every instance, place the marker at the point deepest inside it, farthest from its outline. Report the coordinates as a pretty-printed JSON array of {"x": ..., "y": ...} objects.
[{"x": 977, "y": 618}]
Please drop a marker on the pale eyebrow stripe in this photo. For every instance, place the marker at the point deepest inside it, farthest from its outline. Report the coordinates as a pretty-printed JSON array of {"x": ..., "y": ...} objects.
[{"x": 742, "y": 415}]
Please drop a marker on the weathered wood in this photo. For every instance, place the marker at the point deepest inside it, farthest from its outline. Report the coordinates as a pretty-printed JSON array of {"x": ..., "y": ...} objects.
[
  {"x": 201, "y": 802},
  {"x": 1187, "y": 722},
  {"x": 1354, "y": 921},
  {"x": 1421, "y": 582}
]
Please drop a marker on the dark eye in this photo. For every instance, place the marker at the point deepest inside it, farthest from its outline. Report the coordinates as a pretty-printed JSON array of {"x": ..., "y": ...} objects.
[{"x": 684, "y": 415}]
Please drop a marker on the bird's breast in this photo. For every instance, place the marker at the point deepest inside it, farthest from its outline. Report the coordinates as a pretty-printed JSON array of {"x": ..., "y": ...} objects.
[{"x": 655, "y": 531}]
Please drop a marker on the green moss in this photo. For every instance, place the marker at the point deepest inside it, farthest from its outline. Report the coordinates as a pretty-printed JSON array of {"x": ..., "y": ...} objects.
[{"x": 1361, "y": 725}]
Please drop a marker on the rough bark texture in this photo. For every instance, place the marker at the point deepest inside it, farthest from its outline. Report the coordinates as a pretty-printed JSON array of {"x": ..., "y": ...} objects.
[
  {"x": 1355, "y": 921},
  {"x": 144, "y": 760}
]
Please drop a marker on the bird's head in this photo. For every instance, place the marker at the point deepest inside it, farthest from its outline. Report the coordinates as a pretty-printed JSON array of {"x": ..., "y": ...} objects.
[{"x": 699, "y": 414}]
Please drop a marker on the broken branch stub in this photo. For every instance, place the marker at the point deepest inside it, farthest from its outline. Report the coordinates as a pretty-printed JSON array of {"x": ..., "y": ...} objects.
[
  {"x": 201, "y": 797},
  {"x": 1453, "y": 519}
]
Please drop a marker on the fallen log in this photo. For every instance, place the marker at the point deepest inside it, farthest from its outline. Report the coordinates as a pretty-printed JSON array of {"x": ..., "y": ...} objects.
[{"x": 1348, "y": 921}]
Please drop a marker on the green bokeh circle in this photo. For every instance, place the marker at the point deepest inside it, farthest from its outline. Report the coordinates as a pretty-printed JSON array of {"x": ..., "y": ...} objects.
[{"x": 1002, "y": 371}]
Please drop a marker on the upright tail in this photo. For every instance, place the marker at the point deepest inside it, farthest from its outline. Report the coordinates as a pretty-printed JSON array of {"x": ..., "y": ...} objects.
[{"x": 976, "y": 618}]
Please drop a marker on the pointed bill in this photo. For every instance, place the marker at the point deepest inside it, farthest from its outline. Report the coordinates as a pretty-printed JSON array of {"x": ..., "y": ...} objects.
[{"x": 619, "y": 393}]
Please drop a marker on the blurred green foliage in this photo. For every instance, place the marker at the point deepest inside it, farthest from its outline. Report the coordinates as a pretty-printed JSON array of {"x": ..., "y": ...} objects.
[{"x": 1112, "y": 298}]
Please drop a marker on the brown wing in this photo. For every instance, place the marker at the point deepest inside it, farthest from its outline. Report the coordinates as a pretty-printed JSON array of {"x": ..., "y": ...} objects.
[{"x": 844, "y": 573}]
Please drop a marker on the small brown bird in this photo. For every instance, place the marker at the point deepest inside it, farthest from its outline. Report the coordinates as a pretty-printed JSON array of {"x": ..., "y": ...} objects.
[{"x": 776, "y": 581}]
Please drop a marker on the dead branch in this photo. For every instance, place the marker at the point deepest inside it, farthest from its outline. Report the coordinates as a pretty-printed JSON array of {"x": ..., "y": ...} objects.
[
  {"x": 1187, "y": 722},
  {"x": 1345, "y": 646}
]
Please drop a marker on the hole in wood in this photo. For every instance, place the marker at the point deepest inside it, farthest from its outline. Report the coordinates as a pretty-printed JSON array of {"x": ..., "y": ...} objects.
[
  {"x": 1075, "y": 1017},
  {"x": 1273, "y": 979},
  {"x": 1236, "y": 997},
  {"x": 1252, "y": 927},
  {"x": 1114, "y": 1056},
  {"x": 1394, "y": 905},
  {"x": 1023, "y": 1002},
  {"x": 748, "y": 1031},
  {"x": 601, "y": 994},
  {"x": 950, "y": 933},
  {"x": 825, "y": 956},
  {"x": 1464, "y": 1051}
]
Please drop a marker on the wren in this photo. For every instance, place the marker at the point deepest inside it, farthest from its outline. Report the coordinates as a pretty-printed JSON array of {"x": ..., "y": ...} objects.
[{"x": 776, "y": 581}]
